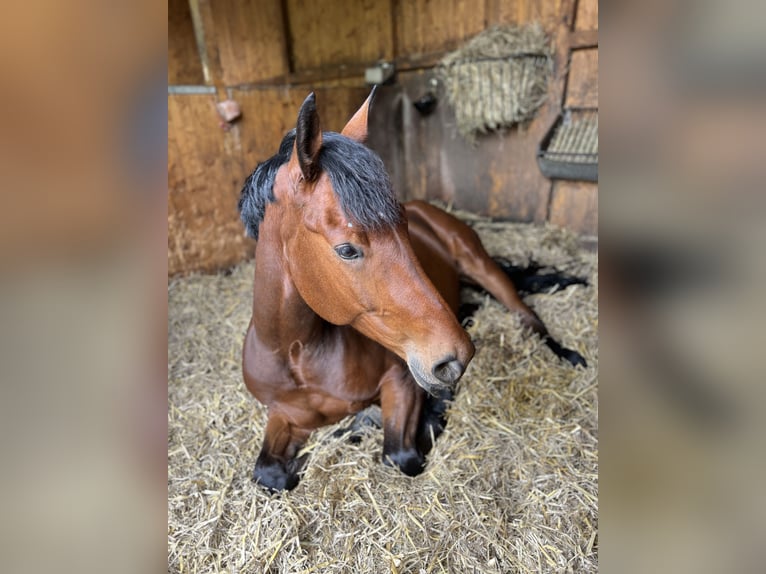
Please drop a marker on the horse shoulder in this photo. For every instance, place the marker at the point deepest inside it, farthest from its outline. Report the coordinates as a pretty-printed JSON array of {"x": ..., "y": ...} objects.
[{"x": 265, "y": 372}]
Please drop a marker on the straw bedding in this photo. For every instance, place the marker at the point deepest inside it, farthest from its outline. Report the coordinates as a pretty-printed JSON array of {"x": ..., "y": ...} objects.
[{"x": 511, "y": 485}]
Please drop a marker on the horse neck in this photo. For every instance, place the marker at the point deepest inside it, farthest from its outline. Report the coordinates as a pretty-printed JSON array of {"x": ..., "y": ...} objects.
[{"x": 280, "y": 315}]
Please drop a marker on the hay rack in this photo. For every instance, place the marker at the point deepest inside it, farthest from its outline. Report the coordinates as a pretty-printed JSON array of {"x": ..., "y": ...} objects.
[
  {"x": 570, "y": 148},
  {"x": 498, "y": 79}
]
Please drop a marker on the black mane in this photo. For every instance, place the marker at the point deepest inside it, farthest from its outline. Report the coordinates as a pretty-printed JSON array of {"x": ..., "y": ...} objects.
[{"x": 357, "y": 175}]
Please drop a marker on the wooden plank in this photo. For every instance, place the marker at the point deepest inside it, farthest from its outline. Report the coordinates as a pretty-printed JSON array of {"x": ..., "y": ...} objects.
[
  {"x": 582, "y": 86},
  {"x": 251, "y": 40},
  {"x": 580, "y": 39},
  {"x": 207, "y": 45},
  {"x": 204, "y": 180},
  {"x": 504, "y": 11},
  {"x": 587, "y": 15},
  {"x": 524, "y": 11},
  {"x": 184, "y": 65},
  {"x": 574, "y": 205},
  {"x": 327, "y": 33},
  {"x": 337, "y": 104},
  {"x": 423, "y": 27},
  {"x": 546, "y": 13},
  {"x": 266, "y": 115}
]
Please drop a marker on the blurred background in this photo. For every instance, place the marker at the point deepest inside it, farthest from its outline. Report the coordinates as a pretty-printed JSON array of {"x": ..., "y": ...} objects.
[
  {"x": 83, "y": 196},
  {"x": 681, "y": 261},
  {"x": 84, "y": 205}
]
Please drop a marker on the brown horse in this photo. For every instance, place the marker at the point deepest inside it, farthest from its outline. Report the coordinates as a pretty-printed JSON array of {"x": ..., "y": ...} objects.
[{"x": 355, "y": 298}]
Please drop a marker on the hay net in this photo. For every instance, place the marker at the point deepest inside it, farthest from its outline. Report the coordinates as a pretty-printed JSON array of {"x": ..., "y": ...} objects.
[{"x": 498, "y": 78}]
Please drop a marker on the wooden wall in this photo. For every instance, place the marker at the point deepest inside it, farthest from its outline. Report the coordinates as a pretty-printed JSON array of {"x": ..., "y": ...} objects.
[
  {"x": 574, "y": 204},
  {"x": 184, "y": 65},
  {"x": 207, "y": 166},
  {"x": 269, "y": 54}
]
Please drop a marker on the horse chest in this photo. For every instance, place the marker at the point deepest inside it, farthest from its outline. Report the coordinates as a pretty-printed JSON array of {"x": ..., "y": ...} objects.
[
  {"x": 335, "y": 370},
  {"x": 330, "y": 372}
]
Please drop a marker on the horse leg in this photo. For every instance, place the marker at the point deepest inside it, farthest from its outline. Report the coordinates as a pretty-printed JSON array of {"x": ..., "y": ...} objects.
[
  {"x": 401, "y": 403},
  {"x": 368, "y": 418},
  {"x": 277, "y": 466},
  {"x": 433, "y": 420},
  {"x": 475, "y": 263},
  {"x": 472, "y": 261}
]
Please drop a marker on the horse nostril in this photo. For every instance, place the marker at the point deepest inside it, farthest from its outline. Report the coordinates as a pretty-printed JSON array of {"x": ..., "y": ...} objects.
[{"x": 448, "y": 370}]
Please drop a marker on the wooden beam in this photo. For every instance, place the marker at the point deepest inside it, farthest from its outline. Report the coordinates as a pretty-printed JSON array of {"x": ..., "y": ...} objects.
[
  {"x": 580, "y": 39},
  {"x": 199, "y": 35}
]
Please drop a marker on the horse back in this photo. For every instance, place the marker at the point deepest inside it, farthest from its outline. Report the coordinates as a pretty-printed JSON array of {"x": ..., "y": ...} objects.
[{"x": 434, "y": 255}]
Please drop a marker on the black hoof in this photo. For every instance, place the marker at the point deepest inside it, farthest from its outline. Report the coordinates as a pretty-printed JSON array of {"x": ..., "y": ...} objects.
[
  {"x": 410, "y": 462},
  {"x": 275, "y": 477},
  {"x": 368, "y": 418},
  {"x": 575, "y": 358}
]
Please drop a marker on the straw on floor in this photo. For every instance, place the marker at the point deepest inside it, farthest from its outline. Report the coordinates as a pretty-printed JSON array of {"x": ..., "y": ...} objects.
[{"x": 511, "y": 485}]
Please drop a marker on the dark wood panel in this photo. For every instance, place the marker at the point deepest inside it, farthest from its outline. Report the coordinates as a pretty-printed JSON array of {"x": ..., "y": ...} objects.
[
  {"x": 423, "y": 27},
  {"x": 582, "y": 87},
  {"x": 184, "y": 66},
  {"x": 428, "y": 159},
  {"x": 327, "y": 33},
  {"x": 385, "y": 123},
  {"x": 574, "y": 205}
]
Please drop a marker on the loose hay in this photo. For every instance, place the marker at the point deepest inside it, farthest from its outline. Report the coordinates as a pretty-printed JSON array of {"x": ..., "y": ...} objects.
[
  {"x": 498, "y": 79},
  {"x": 511, "y": 485}
]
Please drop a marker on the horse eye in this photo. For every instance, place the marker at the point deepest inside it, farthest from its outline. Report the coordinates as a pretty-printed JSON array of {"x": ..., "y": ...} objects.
[{"x": 348, "y": 251}]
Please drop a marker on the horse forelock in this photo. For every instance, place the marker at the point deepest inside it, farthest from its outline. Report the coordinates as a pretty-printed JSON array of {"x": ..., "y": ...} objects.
[
  {"x": 357, "y": 175},
  {"x": 258, "y": 190},
  {"x": 360, "y": 182}
]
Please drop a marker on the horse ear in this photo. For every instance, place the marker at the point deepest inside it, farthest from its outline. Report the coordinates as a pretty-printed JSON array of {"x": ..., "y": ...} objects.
[
  {"x": 356, "y": 128},
  {"x": 308, "y": 138}
]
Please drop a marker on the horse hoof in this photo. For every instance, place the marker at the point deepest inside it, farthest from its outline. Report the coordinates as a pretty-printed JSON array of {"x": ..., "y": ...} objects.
[
  {"x": 410, "y": 462},
  {"x": 370, "y": 417},
  {"x": 575, "y": 358},
  {"x": 274, "y": 477}
]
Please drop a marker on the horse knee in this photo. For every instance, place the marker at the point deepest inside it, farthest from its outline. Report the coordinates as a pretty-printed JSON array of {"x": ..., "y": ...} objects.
[{"x": 409, "y": 461}]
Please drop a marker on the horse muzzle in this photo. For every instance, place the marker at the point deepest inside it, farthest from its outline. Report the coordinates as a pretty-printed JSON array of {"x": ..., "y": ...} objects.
[{"x": 441, "y": 374}]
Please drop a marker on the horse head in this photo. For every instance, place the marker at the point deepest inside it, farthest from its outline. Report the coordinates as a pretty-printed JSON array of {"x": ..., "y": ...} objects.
[{"x": 347, "y": 250}]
